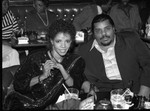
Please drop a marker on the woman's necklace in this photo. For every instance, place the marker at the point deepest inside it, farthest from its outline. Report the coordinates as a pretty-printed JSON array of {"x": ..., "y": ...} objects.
[
  {"x": 47, "y": 21},
  {"x": 52, "y": 57}
]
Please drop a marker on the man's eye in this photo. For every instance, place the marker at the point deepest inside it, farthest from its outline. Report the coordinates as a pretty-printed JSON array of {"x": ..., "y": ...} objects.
[
  {"x": 97, "y": 31},
  {"x": 108, "y": 28}
]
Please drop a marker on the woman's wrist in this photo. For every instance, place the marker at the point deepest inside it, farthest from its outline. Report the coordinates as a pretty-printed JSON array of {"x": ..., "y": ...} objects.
[
  {"x": 67, "y": 78},
  {"x": 41, "y": 78}
]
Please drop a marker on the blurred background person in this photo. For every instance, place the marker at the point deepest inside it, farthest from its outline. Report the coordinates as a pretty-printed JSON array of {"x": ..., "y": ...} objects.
[
  {"x": 10, "y": 56},
  {"x": 105, "y": 5},
  {"x": 9, "y": 22},
  {"x": 126, "y": 16},
  {"x": 144, "y": 7},
  {"x": 40, "y": 18},
  {"x": 84, "y": 19},
  {"x": 147, "y": 31}
]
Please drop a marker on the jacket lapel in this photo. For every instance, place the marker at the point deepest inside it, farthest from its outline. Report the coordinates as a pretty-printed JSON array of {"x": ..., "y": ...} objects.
[{"x": 120, "y": 53}]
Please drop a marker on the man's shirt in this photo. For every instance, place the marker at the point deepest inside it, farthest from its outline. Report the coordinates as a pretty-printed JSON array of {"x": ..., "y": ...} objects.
[{"x": 111, "y": 67}]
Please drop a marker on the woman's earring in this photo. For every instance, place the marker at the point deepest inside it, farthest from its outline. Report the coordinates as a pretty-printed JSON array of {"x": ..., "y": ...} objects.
[{"x": 51, "y": 42}]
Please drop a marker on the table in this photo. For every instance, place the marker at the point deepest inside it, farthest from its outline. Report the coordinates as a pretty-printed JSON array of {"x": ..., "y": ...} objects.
[
  {"x": 100, "y": 96},
  {"x": 63, "y": 106},
  {"x": 34, "y": 44},
  {"x": 29, "y": 47}
]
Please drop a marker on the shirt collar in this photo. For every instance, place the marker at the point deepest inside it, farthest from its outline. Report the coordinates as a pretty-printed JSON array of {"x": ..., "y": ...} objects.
[{"x": 95, "y": 43}]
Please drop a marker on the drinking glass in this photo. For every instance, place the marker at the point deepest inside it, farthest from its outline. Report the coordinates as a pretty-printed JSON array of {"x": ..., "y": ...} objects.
[
  {"x": 74, "y": 93},
  {"x": 71, "y": 98},
  {"x": 117, "y": 99}
]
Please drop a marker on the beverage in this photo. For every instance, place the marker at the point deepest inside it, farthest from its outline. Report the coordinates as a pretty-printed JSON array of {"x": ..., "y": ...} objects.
[
  {"x": 117, "y": 99},
  {"x": 71, "y": 95}
]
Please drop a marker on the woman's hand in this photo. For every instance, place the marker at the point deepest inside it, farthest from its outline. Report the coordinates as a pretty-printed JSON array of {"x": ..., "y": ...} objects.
[
  {"x": 92, "y": 93},
  {"x": 47, "y": 66}
]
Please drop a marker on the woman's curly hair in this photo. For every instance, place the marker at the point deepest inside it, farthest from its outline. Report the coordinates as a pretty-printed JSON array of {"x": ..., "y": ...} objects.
[{"x": 64, "y": 27}]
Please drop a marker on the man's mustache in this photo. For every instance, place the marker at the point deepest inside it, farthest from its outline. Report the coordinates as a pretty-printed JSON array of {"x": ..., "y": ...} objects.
[{"x": 105, "y": 36}]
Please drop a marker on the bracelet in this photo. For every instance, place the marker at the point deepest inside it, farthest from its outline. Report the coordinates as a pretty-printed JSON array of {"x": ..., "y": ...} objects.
[
  {"x": 39, "y": 79},
  {"x": 67, "y": 78}
]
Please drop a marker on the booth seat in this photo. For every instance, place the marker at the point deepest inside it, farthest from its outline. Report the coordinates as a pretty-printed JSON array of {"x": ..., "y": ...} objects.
[{"x": 66, "y": 11}]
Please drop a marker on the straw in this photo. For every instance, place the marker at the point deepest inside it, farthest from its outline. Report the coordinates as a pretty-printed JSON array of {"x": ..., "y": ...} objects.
[
  {"x": 66, "y": 89},
  {"x": 125, "y": 92}
]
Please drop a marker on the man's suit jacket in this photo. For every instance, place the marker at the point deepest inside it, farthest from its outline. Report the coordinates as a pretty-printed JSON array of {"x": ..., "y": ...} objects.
[{"x": 132, "y": 56}]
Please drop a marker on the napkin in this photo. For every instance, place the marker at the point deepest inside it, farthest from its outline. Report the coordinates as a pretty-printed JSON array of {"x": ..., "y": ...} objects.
[
  {"x": 61, "y": 98},
  {"x": 87, "y": 104},
  {"x": 69, "y": 104}
]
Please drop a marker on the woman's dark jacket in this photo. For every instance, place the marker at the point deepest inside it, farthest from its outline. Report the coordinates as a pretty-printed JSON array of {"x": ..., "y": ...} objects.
[{"x": 50, "y": 89}]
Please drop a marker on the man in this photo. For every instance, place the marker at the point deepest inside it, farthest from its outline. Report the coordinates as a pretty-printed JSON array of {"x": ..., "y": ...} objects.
[
  {"x": 126, "y": 16},
  {"x": 84, "y": 19},
  {"x": 9, "y": 23},
  {"x": 114, "y": 60}
]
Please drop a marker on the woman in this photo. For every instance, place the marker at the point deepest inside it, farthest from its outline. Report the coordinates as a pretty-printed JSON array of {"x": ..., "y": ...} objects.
[
  {"x": 40, "y": 18},
  {"x": 38, "y": 82}
]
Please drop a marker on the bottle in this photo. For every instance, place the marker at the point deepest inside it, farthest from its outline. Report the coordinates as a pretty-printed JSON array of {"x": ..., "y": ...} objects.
[{"x": 141, "y": 103}]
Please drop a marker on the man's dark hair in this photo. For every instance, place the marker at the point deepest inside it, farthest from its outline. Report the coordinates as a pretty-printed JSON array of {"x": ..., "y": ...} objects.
[{"x": 101, "y": 18}]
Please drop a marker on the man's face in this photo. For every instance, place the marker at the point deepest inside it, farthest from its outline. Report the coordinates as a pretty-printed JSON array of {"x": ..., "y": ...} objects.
[
  {"x": 5, "y": 6},
  {"x": 39, "y": 6},
  {"x": 104, "y": 33}
]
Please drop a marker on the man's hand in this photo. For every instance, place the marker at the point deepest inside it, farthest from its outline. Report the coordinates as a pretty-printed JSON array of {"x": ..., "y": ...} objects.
[{"x": 144, "y": 91}]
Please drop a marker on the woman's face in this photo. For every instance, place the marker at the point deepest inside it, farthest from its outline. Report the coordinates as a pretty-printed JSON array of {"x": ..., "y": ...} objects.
[
  {"x": 61, "y": 43},
  {"x": 5, "y": 6},
  {"x": 39, "y": 6}
]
